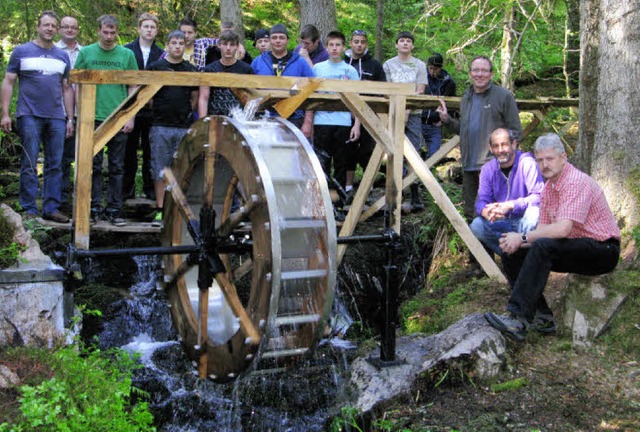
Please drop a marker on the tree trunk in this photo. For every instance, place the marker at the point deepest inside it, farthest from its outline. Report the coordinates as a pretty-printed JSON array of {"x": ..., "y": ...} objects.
[
  {"x": 231, "y": 10},
  {"x": 507, "y": 51},
  {"x": 571, "y": 52},
  {"x": 379, "y": 29},
  {"x": 320, "y": 13},
  {"x": 609, "y": 103}
]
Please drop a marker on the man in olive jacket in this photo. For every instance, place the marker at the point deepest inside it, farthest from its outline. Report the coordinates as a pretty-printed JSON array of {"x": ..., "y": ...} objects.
[{"x": 484, "y": 108}]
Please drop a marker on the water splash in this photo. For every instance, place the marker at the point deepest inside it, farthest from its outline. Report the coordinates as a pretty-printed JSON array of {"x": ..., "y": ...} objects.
[{"x": 248, "y": 113}]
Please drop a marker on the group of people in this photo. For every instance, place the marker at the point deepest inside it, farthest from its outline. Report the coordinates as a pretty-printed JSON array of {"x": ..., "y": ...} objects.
[
  {"x": 46, "y": 112},
  {"x": 538, "y": 212}
]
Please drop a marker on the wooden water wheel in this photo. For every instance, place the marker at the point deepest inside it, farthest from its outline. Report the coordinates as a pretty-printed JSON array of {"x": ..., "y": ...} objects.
[{"x": 253, "y": 195}]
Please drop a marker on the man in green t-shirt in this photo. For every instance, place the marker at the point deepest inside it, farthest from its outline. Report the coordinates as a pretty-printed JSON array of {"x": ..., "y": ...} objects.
[{"x": 107, "y": 54}]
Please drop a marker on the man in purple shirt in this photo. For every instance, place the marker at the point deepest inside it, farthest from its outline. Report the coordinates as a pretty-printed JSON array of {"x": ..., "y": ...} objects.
[
  {"x": 44, "y": 97},
  {"x": 509, "y": 193}
]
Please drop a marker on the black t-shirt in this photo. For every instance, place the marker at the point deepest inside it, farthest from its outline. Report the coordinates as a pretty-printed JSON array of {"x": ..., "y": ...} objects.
[
  {"x": 172, "y": 104},
  {"x": 221, "y": 100}
]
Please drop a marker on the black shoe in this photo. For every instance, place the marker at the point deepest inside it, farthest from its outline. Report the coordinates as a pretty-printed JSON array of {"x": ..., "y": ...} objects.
[
  {"x": 416, "y": 202},
  {"x": 115, "y": 219},
  {"x": 513, "y": 326},
  {"x": 544, "y": 324},
  {"x": 95, "y": 216},
  {"x": 66, "y": 208},
  {"x": 56, "y": 216}
]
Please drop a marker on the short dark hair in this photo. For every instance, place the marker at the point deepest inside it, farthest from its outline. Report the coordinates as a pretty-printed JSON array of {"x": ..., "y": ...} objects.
[
  {"x": 48, "y": 13},
  {"x": 335, "y": 34},
  {"x": 175, "y": 34},
  {"x": 405, "y": 35},
  {"x": 309, "y": 31},
  {"x": 229, "y": 36},
  {"x": 107, "y": 20},
  {"x": 188, "y": 22},
  {"x": 481, "y": 57}
]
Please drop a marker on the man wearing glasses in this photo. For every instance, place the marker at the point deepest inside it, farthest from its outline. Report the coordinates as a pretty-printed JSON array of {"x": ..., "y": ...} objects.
[
  {"x": 484, "y": 108},
  {"x": 68, "y": 43}
]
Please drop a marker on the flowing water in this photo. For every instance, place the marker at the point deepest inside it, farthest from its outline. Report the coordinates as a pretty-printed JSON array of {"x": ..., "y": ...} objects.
[{"x": 301, "y": 397}]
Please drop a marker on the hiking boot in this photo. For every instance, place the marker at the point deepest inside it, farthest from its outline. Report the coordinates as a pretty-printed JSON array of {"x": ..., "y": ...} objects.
[
  {"x": 56, "y": 216},
  {"x": 513, "y": 326},
  {"x": 157, "y": 220},
  {"x": 543, "y": 324},
  {"x": 416, "y": 201},
  {"x": 116, "y": 219}
]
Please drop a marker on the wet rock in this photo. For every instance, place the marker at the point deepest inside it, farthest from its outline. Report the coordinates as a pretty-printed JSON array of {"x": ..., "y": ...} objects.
[{"x": 471, "y": 341}]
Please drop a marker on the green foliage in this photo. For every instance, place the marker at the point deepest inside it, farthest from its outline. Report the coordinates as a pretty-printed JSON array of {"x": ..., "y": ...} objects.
[
  {"x": 346, "y": 421},
  {"x": 509, "y": 385},
  {"x": 91, "y": 390},
  {"x": 9, "y": 249}
]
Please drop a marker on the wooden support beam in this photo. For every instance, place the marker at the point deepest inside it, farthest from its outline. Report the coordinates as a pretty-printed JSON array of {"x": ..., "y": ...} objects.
[
  {"x": 231, "y": 81},
  {"x": 369, "y": 119},
  {"x": 412, "y": 176},
  {"x": 393, "y": 188},
  {"x": 84, "y": 163},
  {"x": 125, "y": 112},
  {"x": 359, "y": 199},
  {"x": 449, "y": 210},
  {"x": 300, "y": 91}
]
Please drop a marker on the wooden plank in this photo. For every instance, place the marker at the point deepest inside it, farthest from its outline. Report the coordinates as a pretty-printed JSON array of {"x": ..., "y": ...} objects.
[
  {"x": 84, "y": 163},
  {"x": 359, "y": 199},
  {"x": 231, "y": 295},
  {"x": 230, "y": 80},
  {"x": 369, "y": 119},
  {"x": 300, "y": 91},
  {"x": 125, "y": 111},
  {"x": 393, "y": 187},
  {"x": 411, "y": 177},
  {"x": 450, "y": 211}
]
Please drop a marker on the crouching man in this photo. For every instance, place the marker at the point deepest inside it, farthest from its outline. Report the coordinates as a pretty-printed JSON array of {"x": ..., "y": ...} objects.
[
  {"x": 577, "y": 233},
  {"x": 509, "y": 193}
]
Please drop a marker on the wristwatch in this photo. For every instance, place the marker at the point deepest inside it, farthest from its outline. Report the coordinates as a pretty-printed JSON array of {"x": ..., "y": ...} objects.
[{"x": 524, "y": 239}]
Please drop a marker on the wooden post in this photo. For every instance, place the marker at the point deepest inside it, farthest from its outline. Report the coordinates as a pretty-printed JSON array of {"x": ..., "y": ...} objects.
[
  {"x": 397, "y": 111},
  {"x": 84, "y": 163}
]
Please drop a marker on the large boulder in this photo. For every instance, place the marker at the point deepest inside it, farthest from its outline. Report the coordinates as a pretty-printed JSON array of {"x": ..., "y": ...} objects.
[
  {"x": 32, "y": 296},
  {"x": 471, "y": 341}
]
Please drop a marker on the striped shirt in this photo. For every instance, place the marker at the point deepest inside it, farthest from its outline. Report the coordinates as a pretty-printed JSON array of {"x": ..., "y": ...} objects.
[{"x": 577, "y": 197}]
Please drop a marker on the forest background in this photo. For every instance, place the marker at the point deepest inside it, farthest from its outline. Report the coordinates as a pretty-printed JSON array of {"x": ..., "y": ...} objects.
[{"x": 529, "y": 40}]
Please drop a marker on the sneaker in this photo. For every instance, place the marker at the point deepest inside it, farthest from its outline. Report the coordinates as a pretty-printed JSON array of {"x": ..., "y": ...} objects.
[
  {"x": 56, "y": 216},
  {"x": 515, "y": 327},
  {"x": 157, "y": 220},
  {"x": 95, "y": 216},
  {"x": 115, "y": 219},
  {"x": 544, "y": 324}
]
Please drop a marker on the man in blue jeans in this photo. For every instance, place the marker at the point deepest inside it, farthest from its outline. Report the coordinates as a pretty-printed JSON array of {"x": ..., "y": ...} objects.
[
  {"x": 42, "y": 70},
  {"x": 509, "y": 193}
]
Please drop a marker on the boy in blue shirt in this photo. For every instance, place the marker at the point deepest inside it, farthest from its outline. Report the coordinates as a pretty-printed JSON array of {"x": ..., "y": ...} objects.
[{"x": 334, "y": 133}]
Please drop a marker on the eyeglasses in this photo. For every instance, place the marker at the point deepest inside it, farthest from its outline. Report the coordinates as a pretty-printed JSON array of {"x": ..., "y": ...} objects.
[
  {"x": 359, "y": 33},
  {"x": 478, "y": 71}
]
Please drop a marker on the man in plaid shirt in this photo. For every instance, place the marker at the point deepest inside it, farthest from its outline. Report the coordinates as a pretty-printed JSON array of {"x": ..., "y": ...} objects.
[
  {"x": 577, "y": 233},
  {"x": 195, "y": 49}
]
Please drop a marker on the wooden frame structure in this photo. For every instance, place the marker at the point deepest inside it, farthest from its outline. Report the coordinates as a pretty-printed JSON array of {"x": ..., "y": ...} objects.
[{"x": 379, "y": 106}]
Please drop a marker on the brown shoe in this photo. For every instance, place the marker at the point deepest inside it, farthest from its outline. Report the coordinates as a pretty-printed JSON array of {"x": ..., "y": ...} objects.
[{"x": 56, "y": 216}]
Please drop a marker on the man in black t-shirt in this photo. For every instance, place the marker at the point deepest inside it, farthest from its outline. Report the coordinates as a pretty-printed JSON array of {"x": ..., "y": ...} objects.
[
  {"x": 218, "y": 100},
  {"x": 172, "y": 109}
]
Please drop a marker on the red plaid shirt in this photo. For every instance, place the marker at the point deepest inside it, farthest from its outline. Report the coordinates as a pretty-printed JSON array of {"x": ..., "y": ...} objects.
[{"x": 577, "y": 197}]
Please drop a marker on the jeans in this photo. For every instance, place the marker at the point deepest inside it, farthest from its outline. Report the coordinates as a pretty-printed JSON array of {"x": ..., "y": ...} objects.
[
  {"x": 528, "y": 269},
  {"x": 50, "y": 132},
  {"x": 116, "y": 148},
  {"x": 432, "y": 135},
  {"x": 489, "y": 233},
  {"x": 413, "y": 131},
  {"x": 138, "y": 138},
  {"x": 164, "y": 142},
  {"x": 68, "y": 157}
]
